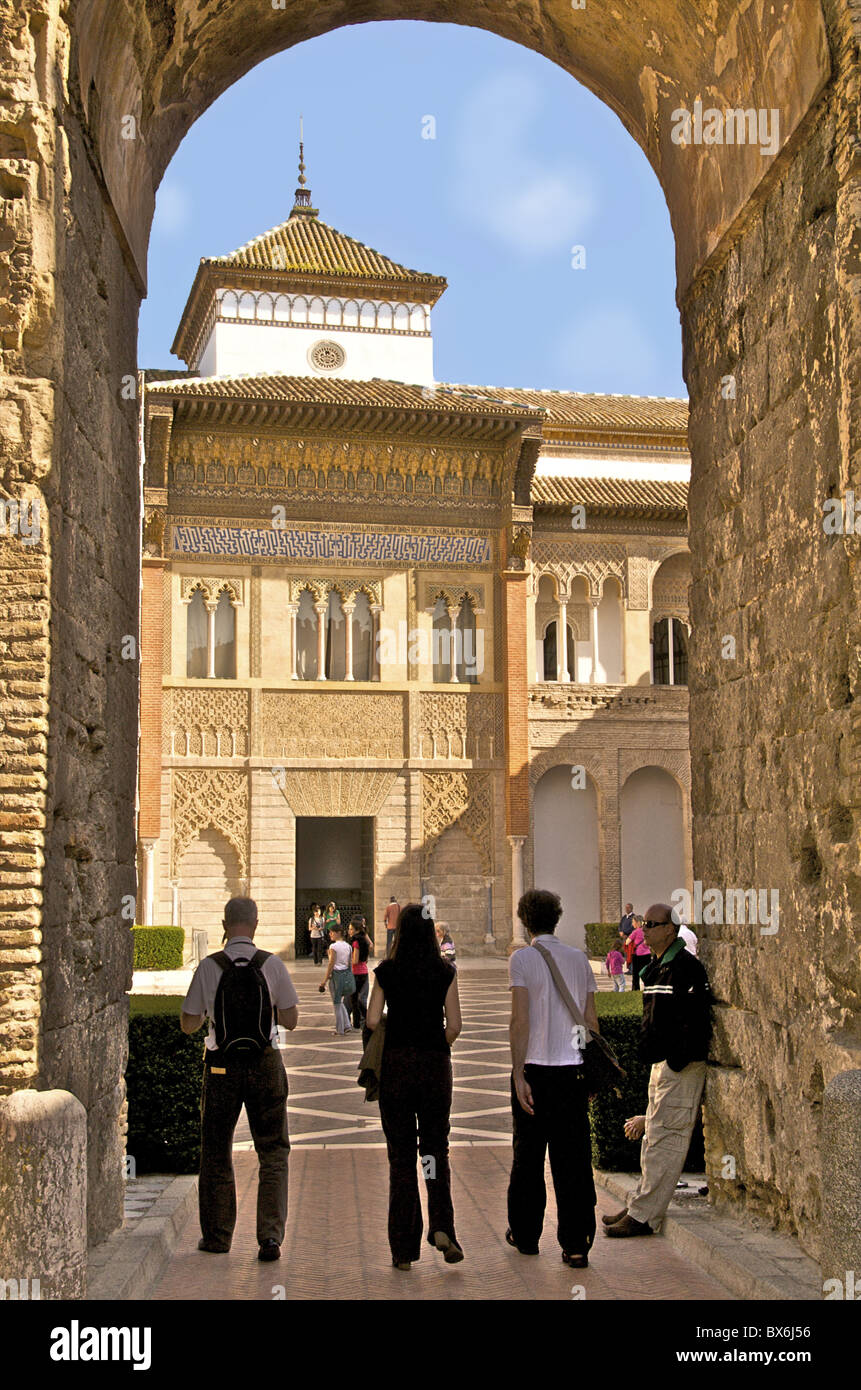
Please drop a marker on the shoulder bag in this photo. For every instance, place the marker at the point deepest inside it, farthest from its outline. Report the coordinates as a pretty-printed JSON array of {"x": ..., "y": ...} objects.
[{"x": 601, "y": 1066}]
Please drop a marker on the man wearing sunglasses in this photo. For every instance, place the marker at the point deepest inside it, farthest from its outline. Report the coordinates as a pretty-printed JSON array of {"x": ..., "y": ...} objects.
[{"x": 675, "y": 1039}]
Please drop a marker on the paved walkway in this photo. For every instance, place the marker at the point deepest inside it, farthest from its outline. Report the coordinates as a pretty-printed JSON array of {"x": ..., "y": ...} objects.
[{"x": 336, "y": 1243}]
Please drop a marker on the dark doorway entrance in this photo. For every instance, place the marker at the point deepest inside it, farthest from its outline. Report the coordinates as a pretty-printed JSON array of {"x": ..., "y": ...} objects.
[{"x": 334, "y": 862}]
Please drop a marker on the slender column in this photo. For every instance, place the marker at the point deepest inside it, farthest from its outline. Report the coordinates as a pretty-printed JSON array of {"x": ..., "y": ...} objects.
[
  {"x": 593, "y": 632},
  {"x": 562, "y": 642},
  {"x": 518, "y": 932},
  {"x": 175, "y": 908},
  {"x": 489, "y": 938},
  {"x": 349, "y": 610},
  {"x": 623, "y": 630},
  {"x": 321, "y": 609},
  {"x": 294, "y": 639},
  {"x": 453, "y": 615},
  {"x": 376, "y": 610},
  {"x": 148, "y": 848},
  {"x": 210, "y": 639},
  {"x": 670, "y": 649}
]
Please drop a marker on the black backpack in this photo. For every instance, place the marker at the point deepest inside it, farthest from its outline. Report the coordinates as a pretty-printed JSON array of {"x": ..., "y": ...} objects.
[{"x": 243, "y": 1013}]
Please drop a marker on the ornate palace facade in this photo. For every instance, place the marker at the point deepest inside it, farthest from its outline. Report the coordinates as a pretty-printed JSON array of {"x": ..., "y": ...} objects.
[{"x": 355, "y": 582}]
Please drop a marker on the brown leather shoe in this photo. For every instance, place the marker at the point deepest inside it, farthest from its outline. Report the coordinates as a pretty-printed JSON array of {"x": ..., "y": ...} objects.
[
  {"x": 617, "y": 1216},
  {"x": 629, "y": 1227}
]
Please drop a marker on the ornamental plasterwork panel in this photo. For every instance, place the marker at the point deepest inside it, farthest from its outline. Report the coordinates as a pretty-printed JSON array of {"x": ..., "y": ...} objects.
[
  {"x": 567, "y": 562},
  {"x": 460, "y": 725},
  {"x": 330, "y": 545},
  {"x": 211, "y": 587},
  {"x": 331, "y": 725},
  {"x": 205, "y": 723},
  {"x": 210, "y": 798},
  {"x": 639, "y": 569},
  {"x": 371, "y": 588},
  {"x": 675, "y": 761},
  {"x": 334, "y": 791},
  {"x": 453, "y": 594},
  {"x": 464, "y": 799}
]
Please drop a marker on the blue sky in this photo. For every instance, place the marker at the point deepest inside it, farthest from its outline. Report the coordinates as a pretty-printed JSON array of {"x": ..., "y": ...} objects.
[{"x": 525, "y": 165}]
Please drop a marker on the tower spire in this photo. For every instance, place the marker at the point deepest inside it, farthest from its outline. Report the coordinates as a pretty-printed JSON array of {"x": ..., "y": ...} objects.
[{"x": 302, "y": 205}]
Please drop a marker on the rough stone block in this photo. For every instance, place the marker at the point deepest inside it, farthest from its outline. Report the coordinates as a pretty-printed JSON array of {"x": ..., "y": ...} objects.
[{"x": 43, "y": 1191}]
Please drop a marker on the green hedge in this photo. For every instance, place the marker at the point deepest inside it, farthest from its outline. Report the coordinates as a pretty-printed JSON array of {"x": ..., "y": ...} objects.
[
  {"x": 158, "y": 948},
  {"x": 620, "y": 1016},
  {"x": 163, "y": 1080},
  {"x": 600, "y": 937}
]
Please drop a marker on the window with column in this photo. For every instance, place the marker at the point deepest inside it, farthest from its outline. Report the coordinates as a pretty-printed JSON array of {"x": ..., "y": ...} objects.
[
  {"x": 551, "y": 666},
  {"x": 334, "y": 639},
  {"x": 211, "y": 637},
  {"x": 669, "y": 652}
]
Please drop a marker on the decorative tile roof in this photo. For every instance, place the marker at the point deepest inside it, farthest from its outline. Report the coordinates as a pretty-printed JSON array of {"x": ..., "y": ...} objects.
[
  {"x": 653, "y": 414},
  {"x": 305, "y": 245},
  {"x": 631, "y": 496},
  {"x": 318, "y": 390}
]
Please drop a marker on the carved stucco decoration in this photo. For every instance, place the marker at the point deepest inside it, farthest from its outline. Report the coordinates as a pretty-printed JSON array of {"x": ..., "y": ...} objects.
[
  {"x": 211, "y": 587},
  {"x": 210, "y": 798},
  {"x": 460, "y": 725},
  {"x": 566, "y": 562},
  {"x": 348, "y": 589},
  {"x": 453, "y": 595},
  {"x": 153, "y": 531},
  {"x": 205, "y": 723},
  {"x": 331, "y": 725},
  {"x": 334, "y": 791},
  {"x": 464, "y": 799}
]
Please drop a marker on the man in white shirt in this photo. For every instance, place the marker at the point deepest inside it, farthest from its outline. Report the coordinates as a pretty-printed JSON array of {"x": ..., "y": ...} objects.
[
  {"x": 549, "y": 1101},
  {"x": 257, "y": 1080}
]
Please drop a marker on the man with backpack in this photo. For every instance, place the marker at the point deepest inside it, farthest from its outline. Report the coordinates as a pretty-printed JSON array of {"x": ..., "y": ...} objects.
[{"x": 245, "y": 994}]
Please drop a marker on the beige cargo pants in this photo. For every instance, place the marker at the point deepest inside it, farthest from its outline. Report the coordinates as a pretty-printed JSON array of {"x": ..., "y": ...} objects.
[{"x": 674, "y": 1098}]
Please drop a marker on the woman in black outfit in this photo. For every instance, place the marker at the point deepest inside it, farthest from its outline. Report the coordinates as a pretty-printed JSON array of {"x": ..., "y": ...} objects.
[{"x": 423, "y": 1019}]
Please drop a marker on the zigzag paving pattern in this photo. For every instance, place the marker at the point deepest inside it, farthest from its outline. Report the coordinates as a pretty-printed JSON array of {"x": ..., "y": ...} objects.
[{"x": 336, "y": 1232}]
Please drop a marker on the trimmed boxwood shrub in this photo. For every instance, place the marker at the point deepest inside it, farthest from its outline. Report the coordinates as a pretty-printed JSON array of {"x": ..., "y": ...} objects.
[
  {"x": 163, "y": 1080},
  {"x": 158, "y": 948},
  {"x": 600, "y": 938},
  {"x": 620, "y": 1017}
]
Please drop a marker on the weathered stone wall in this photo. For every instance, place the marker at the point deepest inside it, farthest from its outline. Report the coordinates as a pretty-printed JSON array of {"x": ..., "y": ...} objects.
[
  {"x": 775, "y": 731},
  {"x": 68, "y": 337}
]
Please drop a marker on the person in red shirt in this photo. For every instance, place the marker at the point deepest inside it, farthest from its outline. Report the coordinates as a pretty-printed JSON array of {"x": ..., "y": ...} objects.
[
  {"x": 642, "y": 954},
  {"x": 390, "y": 919}
]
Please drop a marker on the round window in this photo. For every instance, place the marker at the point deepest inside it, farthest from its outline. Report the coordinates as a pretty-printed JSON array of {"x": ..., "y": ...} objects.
[{"x": 327, "y": 356}]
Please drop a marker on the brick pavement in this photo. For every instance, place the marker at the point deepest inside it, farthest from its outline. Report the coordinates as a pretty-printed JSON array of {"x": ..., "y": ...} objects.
[{"x": 336, "y": 1235}]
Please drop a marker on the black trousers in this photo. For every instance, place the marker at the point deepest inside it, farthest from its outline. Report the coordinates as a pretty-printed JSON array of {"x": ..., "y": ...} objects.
[
  {"x": 638, "y": 965},
  {"x": 415, "y": 1104},
  {"x": 317, "y": 949},
  {"x": 560, "y": 1124},
  {"x": 358, "y": 1001},
  {"x": 260, "y": 1085}
]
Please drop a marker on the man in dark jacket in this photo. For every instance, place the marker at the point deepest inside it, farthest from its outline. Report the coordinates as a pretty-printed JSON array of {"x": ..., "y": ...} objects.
[{"x": 675, "y": 1039}]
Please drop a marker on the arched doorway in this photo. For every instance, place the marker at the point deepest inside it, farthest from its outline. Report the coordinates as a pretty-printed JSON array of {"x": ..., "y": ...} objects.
[
  {"x": 565, "y": 844},
  {"x": 652, "y": 818}
]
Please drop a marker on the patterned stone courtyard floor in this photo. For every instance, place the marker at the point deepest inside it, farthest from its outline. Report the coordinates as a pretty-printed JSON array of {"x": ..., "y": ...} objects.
[{"x": 336, "y": 1244}]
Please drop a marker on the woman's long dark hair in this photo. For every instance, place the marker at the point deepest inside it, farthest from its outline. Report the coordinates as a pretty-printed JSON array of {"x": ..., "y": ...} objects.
[{"x": 415, "y": 945}]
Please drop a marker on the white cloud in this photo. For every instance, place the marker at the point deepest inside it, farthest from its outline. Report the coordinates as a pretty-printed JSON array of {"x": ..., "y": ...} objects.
[
  {"x": 172, "y": 211},
  {"x": 506, "y": 184}
]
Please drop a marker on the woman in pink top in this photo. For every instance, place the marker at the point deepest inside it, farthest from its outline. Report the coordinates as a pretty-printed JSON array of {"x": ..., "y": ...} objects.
[{"x": 642, "y": 954}]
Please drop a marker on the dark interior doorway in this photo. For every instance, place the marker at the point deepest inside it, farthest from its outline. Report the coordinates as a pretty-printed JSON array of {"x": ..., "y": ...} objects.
[{"x": 334, "y": 861}]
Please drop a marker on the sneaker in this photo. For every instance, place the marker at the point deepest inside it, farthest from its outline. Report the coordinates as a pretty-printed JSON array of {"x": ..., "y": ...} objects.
[
  {"x": 629, "y": 1227},
  {"x": 269, "y": 1250}
]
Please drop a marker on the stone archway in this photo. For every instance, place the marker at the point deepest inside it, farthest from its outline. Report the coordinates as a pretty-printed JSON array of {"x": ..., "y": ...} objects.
[{"x": 99, "y": 95}]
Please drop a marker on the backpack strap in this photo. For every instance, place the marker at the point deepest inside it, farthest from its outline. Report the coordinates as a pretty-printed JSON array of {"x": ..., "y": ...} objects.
[
  {"x": 222, "y": 959},
  {"x": 259, "y": 959}
]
